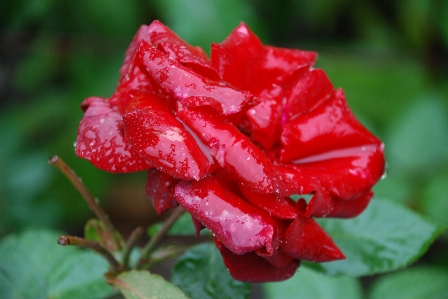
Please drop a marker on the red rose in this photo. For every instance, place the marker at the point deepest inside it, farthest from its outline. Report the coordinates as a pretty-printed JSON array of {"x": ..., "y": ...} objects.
[{"x": 231, "y": 138}]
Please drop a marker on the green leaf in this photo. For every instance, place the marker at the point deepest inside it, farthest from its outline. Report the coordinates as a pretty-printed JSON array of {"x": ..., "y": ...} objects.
[
  {"x": 201, "y": 274},
  {"x": 145, "y": 285},
  {"x": 94, "y": 230},
  {"x": 420, "y": 146},
  {"x": 435, "y": 203},
  {"x": 33, "y": 265},
  {"x": 183, "y": 226},
  {"x": 421, "y": 282},
  {"x": 384, "y": 238},
  {"x": 308, "y": 284},
  {"x": 79, "y": 276},
  {"x": 396, "y": 187},
  {"x": 384, "y": 80},
  {"x": 153, "y": 229}
]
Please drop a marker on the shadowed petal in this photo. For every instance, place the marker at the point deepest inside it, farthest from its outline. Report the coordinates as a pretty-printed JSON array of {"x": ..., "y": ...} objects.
[
  {"x": 160, "y": 189},
  {"x": 306, "y": 240},
  {"x": 253, "y": 268}
]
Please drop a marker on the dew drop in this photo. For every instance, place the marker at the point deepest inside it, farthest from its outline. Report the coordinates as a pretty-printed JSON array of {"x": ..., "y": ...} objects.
[{"x": 386, "y": 172}]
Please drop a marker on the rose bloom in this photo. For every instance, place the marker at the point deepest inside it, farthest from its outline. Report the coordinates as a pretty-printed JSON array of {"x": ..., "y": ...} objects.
[{"x": 236, "y": 139}]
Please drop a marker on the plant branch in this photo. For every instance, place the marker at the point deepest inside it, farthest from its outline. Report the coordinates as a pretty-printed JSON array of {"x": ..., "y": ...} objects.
[
  {"x": 130, "y": 243},
  {"x": 154, "y": 241},
  {"x": 76, "y": 241},
  {"x": 163, "y": 254},
  {"x": 91, "y": 201}
]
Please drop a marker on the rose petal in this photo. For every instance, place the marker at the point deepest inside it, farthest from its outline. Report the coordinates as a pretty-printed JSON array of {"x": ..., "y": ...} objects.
[
  {"x": 157, "y": 135},
  {"x": 347, "y": 174},
  {"x": 232, "y": 150},
  {"x": 189, "y": 88},
  {"x": 197, "y": 225},
  {"x": 126, "y": 91},
  {"x": 192, "y": 57},
  {"x": 160, "y": 189},
  {"x": 100, "y": 142},
  {"x": 126, "y": 69},
  {"x": 242, "y": 60},
  {"x": 306, "y": 89},
  {"x": 339, "y": 184},
  {"x": 276, "y": 206},
  {"x": 265, "y": 118},
  {"x": 277, "y": 257},
  {"x": 279, "y": 63},
  {"x": 290, "y": 181},
  {"x": 306, "y": 240},
  {"x": 237, "y": 57},
  {"x": 237, "y": 224},
  {"x": 329, "y": 127},
  {"x": 253, "y": 268},
  {"x": 327, "y": 206}
]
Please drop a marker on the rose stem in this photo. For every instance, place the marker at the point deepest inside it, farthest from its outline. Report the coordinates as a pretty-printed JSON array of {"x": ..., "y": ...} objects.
[
  {"x": 91, "y": 202},
  {"x": 76, "y": 241},
  {"x": 154, "y": 241},
  {"x": 130, "y": 243}
]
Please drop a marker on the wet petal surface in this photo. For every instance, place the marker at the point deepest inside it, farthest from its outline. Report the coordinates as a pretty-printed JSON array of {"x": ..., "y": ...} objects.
[
  {"x": 190, "y": 88},
  {"x": 100, "y": 141},
  {"x": 157, "y": 135},
  {"x": 240, "y": 226}
]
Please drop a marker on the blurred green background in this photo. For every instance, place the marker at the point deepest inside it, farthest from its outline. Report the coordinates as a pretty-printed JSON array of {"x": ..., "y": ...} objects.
[{"x": 390, "y": 57}]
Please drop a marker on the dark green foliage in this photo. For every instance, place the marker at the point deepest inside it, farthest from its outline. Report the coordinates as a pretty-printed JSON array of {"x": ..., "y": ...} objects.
[{"x": 390, "y": 57}]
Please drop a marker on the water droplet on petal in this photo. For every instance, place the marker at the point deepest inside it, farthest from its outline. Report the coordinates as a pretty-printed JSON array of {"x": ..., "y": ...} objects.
[{"x": 386, "y": 172}]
